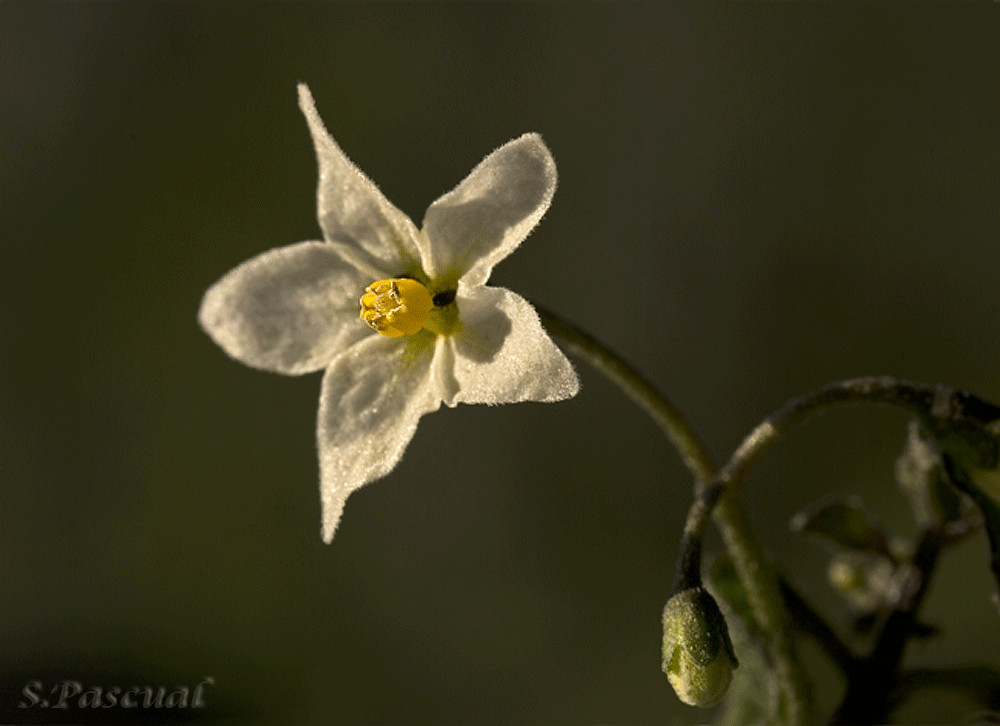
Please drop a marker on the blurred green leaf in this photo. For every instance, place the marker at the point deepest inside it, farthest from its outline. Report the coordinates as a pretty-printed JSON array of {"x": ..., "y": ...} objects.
[
  {"x": 970, "y": 453},
  {"x": 983, "y": 486},
  {"x": 969, "y": 440},
  {"x": 844, "y": 523},
  {"x": 752, "y": 697}
]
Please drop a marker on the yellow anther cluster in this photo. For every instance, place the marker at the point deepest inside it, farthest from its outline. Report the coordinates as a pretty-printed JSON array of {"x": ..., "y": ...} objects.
[{"x": 396, "y": 307}]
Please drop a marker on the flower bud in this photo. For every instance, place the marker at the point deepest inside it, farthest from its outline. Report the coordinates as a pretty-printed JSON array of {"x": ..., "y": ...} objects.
[
  {"x": 863, "y": 580},
  {"x": 697, "y": 653}
]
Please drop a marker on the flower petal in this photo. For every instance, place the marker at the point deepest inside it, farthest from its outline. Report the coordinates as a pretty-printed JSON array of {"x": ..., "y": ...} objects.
[
  {"x": 372, "y": 397},
  {"x": 484, "y": 218},
  {"x": 503, "y": 355},
  {"x": 352, "y": 209},
  {"x": 288, "y": 310}
]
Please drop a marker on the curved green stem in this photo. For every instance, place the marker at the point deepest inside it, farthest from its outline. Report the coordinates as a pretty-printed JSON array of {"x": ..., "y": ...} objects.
[
  {"x": 641, "y": 392},
  {"x": 756, "y": 575},
  {"x": 930, "y": 400},
  {"x": 955, "y": 417},
  {"x": 936, "y": 404},
  {"x": 764, "y": 594}
]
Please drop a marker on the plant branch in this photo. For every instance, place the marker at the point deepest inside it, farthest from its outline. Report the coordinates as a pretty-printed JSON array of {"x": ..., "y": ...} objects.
[
  {"x": 944, "y": 408},
  {"x": 874, "y": 680},
  {"x": 639, "y": 390},
  {"x": 809, "y": 621},
  {"x": 953, "y": 415},
  {"x": 752, "y": 568},
  {"x": 933, "y": 402}
]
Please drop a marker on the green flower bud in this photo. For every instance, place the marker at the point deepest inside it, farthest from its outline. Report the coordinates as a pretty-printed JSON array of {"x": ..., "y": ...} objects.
[{"x": 697, "y": 653}]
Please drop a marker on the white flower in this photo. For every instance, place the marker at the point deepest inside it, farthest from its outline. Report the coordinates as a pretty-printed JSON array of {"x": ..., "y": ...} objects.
[{"x": 435, "y": 334}]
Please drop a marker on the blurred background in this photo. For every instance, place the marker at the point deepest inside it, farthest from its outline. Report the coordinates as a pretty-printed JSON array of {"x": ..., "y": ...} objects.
[{"x": 753, "y": 201}]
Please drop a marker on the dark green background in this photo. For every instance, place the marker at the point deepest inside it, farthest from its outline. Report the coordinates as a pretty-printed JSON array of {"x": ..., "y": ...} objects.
[{"x": 753, "y": 200}]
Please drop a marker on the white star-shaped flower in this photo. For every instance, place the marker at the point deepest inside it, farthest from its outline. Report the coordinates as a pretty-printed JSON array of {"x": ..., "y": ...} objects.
[{"x": 435, "y": 332}]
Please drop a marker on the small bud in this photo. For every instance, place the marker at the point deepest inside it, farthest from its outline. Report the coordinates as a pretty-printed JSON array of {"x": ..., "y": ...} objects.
[
  {"x": 697, "y": 653},
  {"x": 863, "y": 580}
]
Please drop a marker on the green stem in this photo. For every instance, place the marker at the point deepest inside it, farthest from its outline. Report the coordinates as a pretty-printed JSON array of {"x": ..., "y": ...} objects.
[
  {"x": 767, "y": 603},
  {"x": 754, "y": 571},
  {"x": 943, "y": 408},
  {"x": 948, "y": 412},
  {"x": 637, "y": 388},
  {"x": 934, "y": 403}
]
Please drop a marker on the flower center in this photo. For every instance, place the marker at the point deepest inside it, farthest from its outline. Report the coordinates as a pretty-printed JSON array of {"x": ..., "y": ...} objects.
[{"x": 396, "y": 307}]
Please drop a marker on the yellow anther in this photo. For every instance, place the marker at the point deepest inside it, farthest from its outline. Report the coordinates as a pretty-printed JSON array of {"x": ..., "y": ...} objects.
[{"x": 396, "y": 307}]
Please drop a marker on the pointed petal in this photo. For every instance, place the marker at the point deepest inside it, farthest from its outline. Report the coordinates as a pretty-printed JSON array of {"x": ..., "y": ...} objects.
[
  {"x": 503, "y": 355},
  {"x": 352, "y": 209},
  {"x": 372, "y": 397},
  {"x": 484, "y": 218},
  {"x": 288, "y": 310}
]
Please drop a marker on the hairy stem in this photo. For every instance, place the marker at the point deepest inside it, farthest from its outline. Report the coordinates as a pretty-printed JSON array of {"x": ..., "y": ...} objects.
[
  {"x": 934, "y": 403},
  {"x": 760, "y": 582},
  {"x": 756, "y": 574},
  {"x": 639, "y": 390},
  {"x": 948, "y": 412}
]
